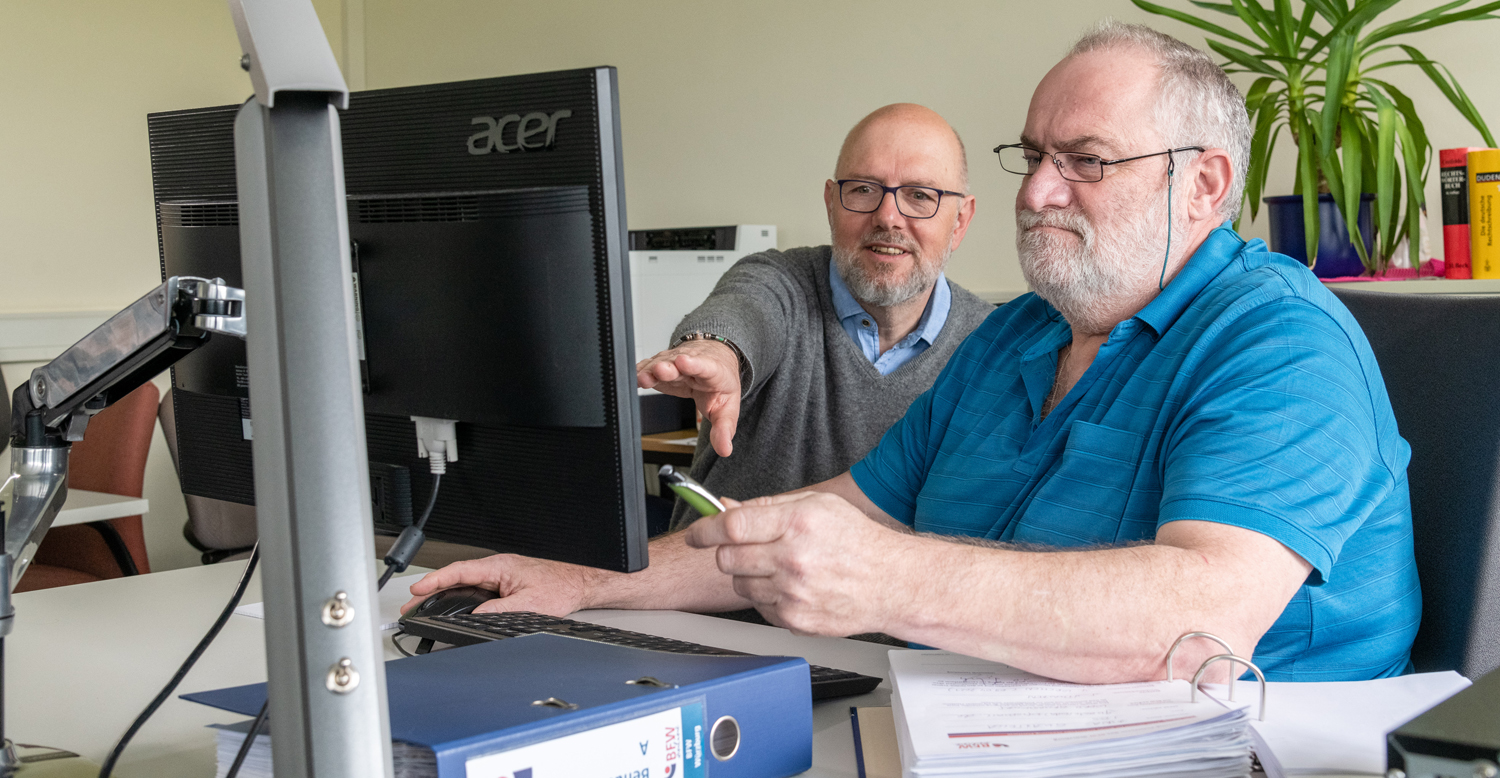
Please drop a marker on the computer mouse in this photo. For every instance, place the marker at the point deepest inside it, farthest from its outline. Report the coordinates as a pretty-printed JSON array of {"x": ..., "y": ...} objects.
[{"x": 449, "y": 602}]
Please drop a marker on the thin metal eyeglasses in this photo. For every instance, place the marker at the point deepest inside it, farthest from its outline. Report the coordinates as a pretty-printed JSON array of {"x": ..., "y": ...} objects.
[
  {"x": 1071, "y": 165},
  {"x": 913, "y": 202}
]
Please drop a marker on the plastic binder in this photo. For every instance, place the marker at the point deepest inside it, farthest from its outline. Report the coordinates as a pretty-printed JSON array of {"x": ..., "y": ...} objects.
[{"x": 547, "y": 703}]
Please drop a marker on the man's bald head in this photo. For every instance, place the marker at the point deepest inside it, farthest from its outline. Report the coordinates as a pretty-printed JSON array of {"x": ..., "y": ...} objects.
[{"x": 905, "y": 127}]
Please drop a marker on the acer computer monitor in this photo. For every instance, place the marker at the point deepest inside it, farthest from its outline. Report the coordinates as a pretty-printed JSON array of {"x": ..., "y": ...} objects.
[{"x": 487, "y": 222}]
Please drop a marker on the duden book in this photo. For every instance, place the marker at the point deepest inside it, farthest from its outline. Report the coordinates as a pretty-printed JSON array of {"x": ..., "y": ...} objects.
[
  {"x": 546, "y": 705},
  {"x": 1484, "y": 200}
]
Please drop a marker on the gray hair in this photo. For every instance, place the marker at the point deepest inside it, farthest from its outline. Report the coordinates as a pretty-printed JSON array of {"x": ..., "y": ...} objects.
[{"x": 1196, "y": 104}]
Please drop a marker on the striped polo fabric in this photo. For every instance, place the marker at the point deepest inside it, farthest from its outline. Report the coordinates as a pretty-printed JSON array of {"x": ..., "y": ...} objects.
[{"x": 1243, "y": 394}]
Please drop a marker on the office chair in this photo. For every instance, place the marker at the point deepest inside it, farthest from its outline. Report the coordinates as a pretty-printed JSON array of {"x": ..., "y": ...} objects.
[
  {"x": 111, "y": 458},
  {"x": 219, "y": 529},
  {"x": 1438, "y": 355}
]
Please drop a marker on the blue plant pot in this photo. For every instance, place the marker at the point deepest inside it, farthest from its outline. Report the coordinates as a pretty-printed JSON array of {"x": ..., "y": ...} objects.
[{"x": 1336, "y": 253}]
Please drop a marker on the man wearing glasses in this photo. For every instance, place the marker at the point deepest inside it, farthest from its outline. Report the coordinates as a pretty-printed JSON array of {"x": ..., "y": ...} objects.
[
  {"x": 801, "y": 359},
  {"x": 1179, "y": 431}
]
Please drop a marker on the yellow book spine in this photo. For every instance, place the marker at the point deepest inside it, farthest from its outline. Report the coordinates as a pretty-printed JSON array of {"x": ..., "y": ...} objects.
[{"x": 1484, "y": 210}]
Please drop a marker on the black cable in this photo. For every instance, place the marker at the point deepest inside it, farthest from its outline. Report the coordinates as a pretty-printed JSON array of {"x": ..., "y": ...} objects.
[
  {"x": 386, "y": 576},
  {"x": 213, "y": 632},
  {"x": 411, "y": 539},
  {"x": 239, "y": 756},
  {"x": 390, "y": 569},
  {"x": 396, "y": 641},
  {"x": 437, "y": 479}
]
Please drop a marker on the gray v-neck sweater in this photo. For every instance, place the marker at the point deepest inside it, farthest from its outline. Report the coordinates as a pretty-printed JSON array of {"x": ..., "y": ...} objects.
[{"x": 815, "y": 404}]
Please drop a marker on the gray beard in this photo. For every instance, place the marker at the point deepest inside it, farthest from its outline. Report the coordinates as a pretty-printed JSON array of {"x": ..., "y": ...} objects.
[
  {"x": 1089, "y": 279},
  {"x": 880, "y": 290}
]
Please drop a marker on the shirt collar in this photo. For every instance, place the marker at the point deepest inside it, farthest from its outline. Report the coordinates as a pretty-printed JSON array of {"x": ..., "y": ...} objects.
[
  {"x": 1218, "y": 250},
  {"x": 933, "y": 316}
]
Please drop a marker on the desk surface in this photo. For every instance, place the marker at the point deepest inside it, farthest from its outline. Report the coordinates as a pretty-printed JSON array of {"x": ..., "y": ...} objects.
[
  {"x": 82, "y": 661},
  {"x": 83, "y": 506}
]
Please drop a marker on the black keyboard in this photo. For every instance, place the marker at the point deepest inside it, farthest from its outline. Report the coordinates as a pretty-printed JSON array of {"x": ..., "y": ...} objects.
[{"x": 469, "y": 628}]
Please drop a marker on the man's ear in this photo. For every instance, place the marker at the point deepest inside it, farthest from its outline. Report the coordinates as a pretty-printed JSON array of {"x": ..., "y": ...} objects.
[
  {"x": 1212, "y": 174},
  {"x": 830, "y": 198},
  {"x": 965, "y": 215}
]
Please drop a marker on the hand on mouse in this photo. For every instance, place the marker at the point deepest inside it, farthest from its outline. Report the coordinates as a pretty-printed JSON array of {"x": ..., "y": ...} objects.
[{"x": 523, "y": 583}]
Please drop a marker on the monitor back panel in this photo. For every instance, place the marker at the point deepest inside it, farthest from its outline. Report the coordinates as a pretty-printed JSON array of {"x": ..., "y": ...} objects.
[{"x": 487, "y": 244}]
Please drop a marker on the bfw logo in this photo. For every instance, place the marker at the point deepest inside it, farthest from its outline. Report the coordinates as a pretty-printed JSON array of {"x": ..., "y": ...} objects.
[{"x": 515, "y": 132}]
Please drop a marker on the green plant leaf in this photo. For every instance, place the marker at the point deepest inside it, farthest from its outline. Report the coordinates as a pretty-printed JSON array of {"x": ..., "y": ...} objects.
[
  {"x": 1187, "y": 18},
  {"x": 1329, "y": 11},
  {"x": 1257, "y": 93},
  {"x": 1406, "y": 107},
  {"x": 1304, "y": 26},
  {"x": 1415, "y": 198},
  {"x": 1223, "y": 8},
  {"x": 1385, "y": 170},
  {"x": 1453, "y": 92},
  {"x": 1352, "y": 161},
  {"x": 1286, "y": 24},
  {"x": 1340, "y": 52},
  {"x": 1255, "y": 184},
  {"x": 1250, "y": 62},
  {"x": 1307, "y": 181},
  {"x": 1255, "y": 17},
  {"x": 1433, "y": 18},
  {"x": 1262, "y": 144},
  {"x": 1350, "y": 23},
  {"x": 1400, "y": 27}
]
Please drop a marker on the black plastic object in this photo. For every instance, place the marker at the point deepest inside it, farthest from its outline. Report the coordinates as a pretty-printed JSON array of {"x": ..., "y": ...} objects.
[{"x": 464, "y": 629}]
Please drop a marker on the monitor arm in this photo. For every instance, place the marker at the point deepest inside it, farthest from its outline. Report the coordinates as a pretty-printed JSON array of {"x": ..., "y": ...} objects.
[{"x": 53, "y": 408}]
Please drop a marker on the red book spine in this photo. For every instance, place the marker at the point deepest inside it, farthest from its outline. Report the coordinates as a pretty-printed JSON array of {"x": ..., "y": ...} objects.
[{"x": 1453, "y": 175}]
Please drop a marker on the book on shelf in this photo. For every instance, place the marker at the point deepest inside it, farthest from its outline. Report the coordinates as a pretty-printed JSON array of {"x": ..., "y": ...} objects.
[
  {"x": 1484, "y": 201},
  {"x": 1453, "y": 175}
]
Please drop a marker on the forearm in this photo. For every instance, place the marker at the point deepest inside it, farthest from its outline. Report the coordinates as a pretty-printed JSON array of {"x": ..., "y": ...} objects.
[
  {"x": 1095, "y": 616},
  {"x": 677, "y": 578}
]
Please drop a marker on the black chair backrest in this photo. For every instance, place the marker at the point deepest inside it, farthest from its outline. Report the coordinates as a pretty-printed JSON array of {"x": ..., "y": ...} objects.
[{"x": 1440, "y": 357}]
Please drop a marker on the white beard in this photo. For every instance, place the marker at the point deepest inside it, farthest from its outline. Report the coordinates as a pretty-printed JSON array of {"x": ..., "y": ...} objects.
[
  {"x": 1089, "y": 278},
  {"x": 886, "y": 290}
]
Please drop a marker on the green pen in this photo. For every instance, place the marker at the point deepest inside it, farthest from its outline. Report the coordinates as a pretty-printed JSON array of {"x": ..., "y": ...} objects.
[{"x": 691, "y": 491}]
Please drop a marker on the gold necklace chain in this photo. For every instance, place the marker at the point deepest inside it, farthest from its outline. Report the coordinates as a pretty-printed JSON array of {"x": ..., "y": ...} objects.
[{"x": 1054, "y": 397}]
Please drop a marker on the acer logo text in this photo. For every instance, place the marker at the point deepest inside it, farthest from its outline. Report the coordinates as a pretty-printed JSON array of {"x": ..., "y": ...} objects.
[{"x": 515, "y": 132}]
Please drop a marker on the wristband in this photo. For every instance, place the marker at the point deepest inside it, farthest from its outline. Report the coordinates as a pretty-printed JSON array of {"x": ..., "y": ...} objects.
[{"x": 738, "y": 355}]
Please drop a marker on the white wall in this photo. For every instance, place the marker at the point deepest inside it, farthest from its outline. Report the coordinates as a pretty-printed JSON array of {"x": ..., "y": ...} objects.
[
  {"x": 79, "y": 77},
  {"x": 731, "y": 112}
]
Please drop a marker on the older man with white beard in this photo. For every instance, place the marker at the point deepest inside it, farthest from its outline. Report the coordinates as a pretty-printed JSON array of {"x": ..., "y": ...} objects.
[{"x": 1179, "y": 431}]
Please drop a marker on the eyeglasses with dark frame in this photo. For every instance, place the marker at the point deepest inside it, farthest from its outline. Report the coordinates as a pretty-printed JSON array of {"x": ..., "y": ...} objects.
[
  {"x": 913, "y": 202},
  {"x": 1071, "y": 165}
]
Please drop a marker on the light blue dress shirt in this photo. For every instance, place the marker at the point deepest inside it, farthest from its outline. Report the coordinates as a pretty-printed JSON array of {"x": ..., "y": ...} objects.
[{"x": 863, "y": 328}]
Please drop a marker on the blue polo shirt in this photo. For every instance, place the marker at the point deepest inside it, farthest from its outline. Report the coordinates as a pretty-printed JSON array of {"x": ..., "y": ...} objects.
[
  {"x": 1243, "y": 394},
  {"x": 865, "y": 332}
]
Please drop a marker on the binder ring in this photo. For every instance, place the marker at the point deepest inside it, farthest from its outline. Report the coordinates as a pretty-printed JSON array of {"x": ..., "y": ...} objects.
[
  {"x": 1215, "y": 638},
  {"x": 1232, "y": 660}
]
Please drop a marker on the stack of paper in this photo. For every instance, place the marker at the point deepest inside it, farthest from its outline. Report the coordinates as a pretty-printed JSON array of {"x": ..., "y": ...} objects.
[
  {"x": 956, "y": 715},
  {"x": 408, "y": 761},
  {"x": 1318, "y": 728}
]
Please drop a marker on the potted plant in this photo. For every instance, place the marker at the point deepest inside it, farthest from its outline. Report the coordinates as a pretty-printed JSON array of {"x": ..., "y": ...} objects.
[{"x": 1369, "y": 138}]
